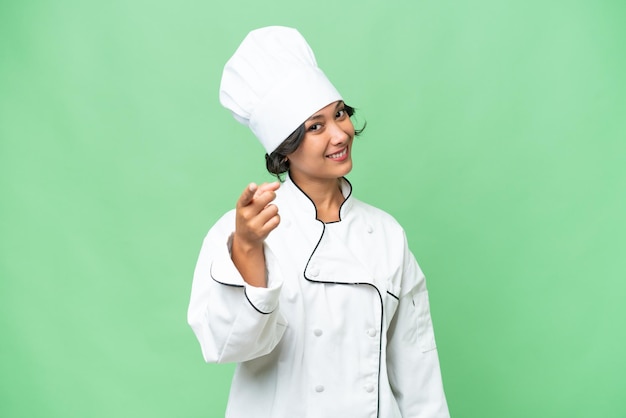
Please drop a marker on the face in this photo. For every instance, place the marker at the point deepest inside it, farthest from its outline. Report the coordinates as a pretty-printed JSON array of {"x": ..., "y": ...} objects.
[{"x": 325, "y": 151}]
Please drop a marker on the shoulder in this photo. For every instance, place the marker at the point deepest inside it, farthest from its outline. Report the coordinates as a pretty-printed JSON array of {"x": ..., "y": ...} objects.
[{"x": 376, "y": 215}]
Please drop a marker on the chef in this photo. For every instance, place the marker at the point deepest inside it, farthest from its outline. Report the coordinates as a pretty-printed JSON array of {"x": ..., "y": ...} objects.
[{"x": 313, "y": 293}]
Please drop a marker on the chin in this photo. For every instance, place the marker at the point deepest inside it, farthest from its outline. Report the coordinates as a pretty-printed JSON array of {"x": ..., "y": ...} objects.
[{"x": 346, "y": 168}]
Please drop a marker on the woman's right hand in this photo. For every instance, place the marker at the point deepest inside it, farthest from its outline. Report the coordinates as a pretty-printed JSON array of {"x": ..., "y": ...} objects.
[{"x": 256, "y": 217}]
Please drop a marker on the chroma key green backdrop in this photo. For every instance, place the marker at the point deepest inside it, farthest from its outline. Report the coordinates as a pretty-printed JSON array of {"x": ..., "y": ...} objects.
[{"x": 495, "y": 135}]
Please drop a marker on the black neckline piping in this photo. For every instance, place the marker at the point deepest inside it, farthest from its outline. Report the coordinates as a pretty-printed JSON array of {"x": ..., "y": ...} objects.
[{"x": 315, "y": 207}]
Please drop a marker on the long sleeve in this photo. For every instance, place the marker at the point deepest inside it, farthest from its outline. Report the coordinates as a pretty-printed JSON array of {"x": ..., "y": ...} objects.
[
  {"x": 233, "y": 321},
  {"x": 412, "y": 360}
]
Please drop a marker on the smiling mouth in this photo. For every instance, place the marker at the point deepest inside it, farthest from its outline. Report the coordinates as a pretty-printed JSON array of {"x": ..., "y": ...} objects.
[{"x": 339, "y": 155}]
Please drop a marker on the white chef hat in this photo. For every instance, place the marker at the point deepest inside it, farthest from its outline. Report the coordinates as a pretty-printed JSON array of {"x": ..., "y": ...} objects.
[{"x": 272, "y": 84}]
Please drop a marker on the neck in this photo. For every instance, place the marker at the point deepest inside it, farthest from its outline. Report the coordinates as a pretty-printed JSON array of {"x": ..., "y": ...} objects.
[{"x": 326, "y": 196}]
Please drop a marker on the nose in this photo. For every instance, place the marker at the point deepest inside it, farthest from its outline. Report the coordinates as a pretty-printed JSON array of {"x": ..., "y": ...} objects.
[{"x": 339, "y": 134}]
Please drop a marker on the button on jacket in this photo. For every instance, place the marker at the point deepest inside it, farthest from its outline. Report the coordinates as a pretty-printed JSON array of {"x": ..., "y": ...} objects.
[{"x": 343, "y": 328}]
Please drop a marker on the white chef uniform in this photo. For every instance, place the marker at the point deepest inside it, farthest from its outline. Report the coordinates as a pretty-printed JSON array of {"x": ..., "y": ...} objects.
[{"x": 343, "y": 328}]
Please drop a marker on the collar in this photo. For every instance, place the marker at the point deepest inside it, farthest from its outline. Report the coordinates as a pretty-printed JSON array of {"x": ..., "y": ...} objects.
[{"x": 305, "y": 204}]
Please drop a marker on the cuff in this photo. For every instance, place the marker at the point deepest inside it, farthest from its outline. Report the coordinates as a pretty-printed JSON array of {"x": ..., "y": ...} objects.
[
  {"x": 263, "y": 299},
  {"x": 223, "y": 271}
]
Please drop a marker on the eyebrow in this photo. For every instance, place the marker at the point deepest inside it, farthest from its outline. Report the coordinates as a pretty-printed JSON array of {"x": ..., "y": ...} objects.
[{"x": 315, "y": 117}]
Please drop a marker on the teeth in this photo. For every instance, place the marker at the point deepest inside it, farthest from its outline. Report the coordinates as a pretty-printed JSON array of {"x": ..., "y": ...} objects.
[{"x": 339, "y": 154}]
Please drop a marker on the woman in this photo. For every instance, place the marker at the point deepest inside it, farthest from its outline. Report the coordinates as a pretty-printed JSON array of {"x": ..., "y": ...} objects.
[{"x": 312, "y": 292}]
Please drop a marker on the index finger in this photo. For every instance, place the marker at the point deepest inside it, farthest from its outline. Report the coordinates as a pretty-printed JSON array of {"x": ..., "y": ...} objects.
[
  {"x": 247, "y": 195},
  {"x": 265, "y": 187}
]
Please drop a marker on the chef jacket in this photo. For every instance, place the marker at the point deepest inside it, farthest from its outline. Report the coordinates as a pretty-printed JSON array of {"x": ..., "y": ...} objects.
[{"x": 343, "y": 328}]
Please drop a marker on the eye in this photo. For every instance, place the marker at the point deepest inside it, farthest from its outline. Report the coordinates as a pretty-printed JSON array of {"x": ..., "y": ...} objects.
[
  {"x": 315, "y": 127},
  {"x": 340, "y": 113}
]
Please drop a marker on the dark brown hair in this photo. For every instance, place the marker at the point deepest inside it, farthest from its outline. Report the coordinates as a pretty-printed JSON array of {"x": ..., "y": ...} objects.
[{"x": 276, "y": 162}]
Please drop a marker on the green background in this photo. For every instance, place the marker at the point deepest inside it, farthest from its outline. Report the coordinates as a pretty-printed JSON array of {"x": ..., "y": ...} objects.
[{"x": 495, "y": 135}]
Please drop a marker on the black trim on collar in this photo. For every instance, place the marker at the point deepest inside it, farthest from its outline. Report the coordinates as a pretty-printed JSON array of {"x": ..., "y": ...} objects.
[
  {"x": 345, "y": 199},
  {"x": 307, "y": 196},
  {"x": 313, "y": 203}
]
